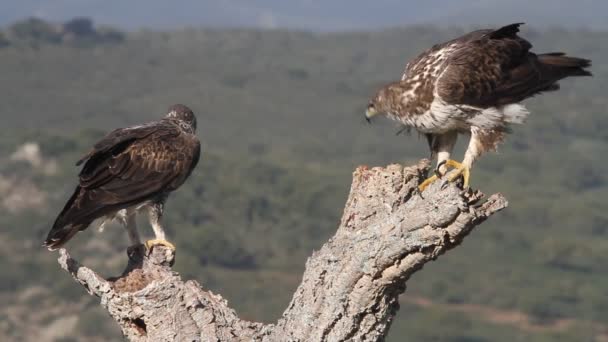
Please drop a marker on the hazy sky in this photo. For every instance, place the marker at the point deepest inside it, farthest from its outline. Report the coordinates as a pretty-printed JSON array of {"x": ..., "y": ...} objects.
[{"x": 313, "y": 14}]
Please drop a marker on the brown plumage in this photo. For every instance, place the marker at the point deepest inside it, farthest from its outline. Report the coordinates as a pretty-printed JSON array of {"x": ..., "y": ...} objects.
[
  {"x": 472, "y": 84},
  {"x": 130, "y": 169}
]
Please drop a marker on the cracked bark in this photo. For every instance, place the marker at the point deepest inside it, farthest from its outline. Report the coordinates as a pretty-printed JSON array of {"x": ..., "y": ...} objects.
[{"x": 349, "y": 290}]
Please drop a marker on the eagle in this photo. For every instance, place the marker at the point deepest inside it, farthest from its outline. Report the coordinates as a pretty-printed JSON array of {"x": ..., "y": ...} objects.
[
  {"x": 473, "y": 84},
  {"x": 130, "y": 170}
]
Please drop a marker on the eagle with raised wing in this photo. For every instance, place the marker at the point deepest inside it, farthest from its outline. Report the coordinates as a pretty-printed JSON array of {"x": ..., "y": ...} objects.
[
  {"x": 471, "y": 85},
  {"x": 129, "y": 170}
]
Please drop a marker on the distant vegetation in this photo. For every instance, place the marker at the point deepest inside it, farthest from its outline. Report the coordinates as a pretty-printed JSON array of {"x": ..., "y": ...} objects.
[
  {"x": 281, "y": 119},
  {"x": 78, "y": 31}
]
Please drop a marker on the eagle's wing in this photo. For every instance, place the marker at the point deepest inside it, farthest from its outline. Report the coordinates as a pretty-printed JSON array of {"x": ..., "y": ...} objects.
[
  {"x": 118, "y": 137},
  {"x": 125, "y": 168},
  {"x": 418, "y": 64},
  {"x": 496, "y": 67},
  {"x": 426, "y": 62}
]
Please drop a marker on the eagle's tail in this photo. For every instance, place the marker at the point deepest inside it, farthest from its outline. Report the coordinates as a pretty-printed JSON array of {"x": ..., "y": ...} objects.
[
  {"x": 59, "y": 236},
  {"x": 65, "y": 227},
  {"x": 557, "y": 65}
]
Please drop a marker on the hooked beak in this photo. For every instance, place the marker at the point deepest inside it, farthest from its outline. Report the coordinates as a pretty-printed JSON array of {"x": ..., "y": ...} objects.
[{"x": 369, "y": 113}]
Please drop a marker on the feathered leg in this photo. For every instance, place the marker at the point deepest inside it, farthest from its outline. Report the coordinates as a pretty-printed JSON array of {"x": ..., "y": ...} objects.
[
  {"x": 155, "y": 213},
  {"x": 481, "y": 141},
  {"x": 131, "y": 226},
  {"x": 441, "y": 146},
  {"x": 472, "y": 153}
]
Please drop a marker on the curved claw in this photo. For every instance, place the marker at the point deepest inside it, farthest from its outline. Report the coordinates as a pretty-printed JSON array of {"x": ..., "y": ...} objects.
[
  {"x": 152, "y": 243},
  {"x": 437, "y": 172}
]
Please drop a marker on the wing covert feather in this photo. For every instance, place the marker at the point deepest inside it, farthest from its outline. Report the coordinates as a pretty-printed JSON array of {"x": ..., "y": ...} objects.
[{"x": 157, "y": 163}]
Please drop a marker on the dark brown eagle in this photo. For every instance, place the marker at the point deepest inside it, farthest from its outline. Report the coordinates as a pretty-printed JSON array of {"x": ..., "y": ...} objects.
[
  {"x": 472, "y": 84},
  {"x": 129, "y": 170}
]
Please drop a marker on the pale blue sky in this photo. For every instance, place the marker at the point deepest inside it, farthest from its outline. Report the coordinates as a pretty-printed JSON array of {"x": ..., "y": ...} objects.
[{"x": 313, "y": 14}]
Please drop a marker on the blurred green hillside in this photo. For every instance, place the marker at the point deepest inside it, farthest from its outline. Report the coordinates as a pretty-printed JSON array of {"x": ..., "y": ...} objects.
[{"x": 281, "y": 120}]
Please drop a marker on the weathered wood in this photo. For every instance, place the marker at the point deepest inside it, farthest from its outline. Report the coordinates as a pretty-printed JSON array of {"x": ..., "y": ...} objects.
[{"x": 350, "y": 289}]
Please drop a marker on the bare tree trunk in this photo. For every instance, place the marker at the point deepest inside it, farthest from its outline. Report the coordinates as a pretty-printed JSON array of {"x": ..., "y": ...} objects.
[{"x": 349, "y": 290}]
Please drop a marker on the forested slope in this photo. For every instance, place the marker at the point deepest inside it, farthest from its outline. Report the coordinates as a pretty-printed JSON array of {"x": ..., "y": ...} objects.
[{"x": 281, "y": 119}]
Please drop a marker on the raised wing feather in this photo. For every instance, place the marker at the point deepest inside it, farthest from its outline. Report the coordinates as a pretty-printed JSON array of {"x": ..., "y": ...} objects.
[{"x": 418, "y": 64}]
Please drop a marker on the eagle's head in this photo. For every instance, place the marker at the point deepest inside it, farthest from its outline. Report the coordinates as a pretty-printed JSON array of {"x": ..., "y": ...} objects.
[
  {"x": 391, "y": 99},
  {"x": 183, "y": 116},
  {"x": 371, "y": 110},
  {"x": 398, "y": 100}
]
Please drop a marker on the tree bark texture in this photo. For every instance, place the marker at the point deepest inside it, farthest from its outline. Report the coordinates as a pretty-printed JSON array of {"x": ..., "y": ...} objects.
[{"x": 349, "y": 290}]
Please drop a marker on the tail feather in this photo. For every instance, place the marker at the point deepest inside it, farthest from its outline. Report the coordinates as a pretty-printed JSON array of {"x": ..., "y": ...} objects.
[
  {"x": 505, "y": 31},
  {"x": 559, "y": 66},
  {"x": 65, "y": 226},
  {"x": 59, "y": 236}
]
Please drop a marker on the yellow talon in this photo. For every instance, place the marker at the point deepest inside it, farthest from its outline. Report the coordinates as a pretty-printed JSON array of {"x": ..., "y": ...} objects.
[
  {"x": 437, "y": 175},
  {"x": 453, "y": 164},
  {"x": 463, "y": 171},
  {"x": 427, "y": 182},
  {"x": 151, "y": 243}
]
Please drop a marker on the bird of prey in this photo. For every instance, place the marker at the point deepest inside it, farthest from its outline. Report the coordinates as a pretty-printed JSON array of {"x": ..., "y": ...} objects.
[
  {"x": 472, "y": 84},
  {"x": 129, "y": 170}
]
